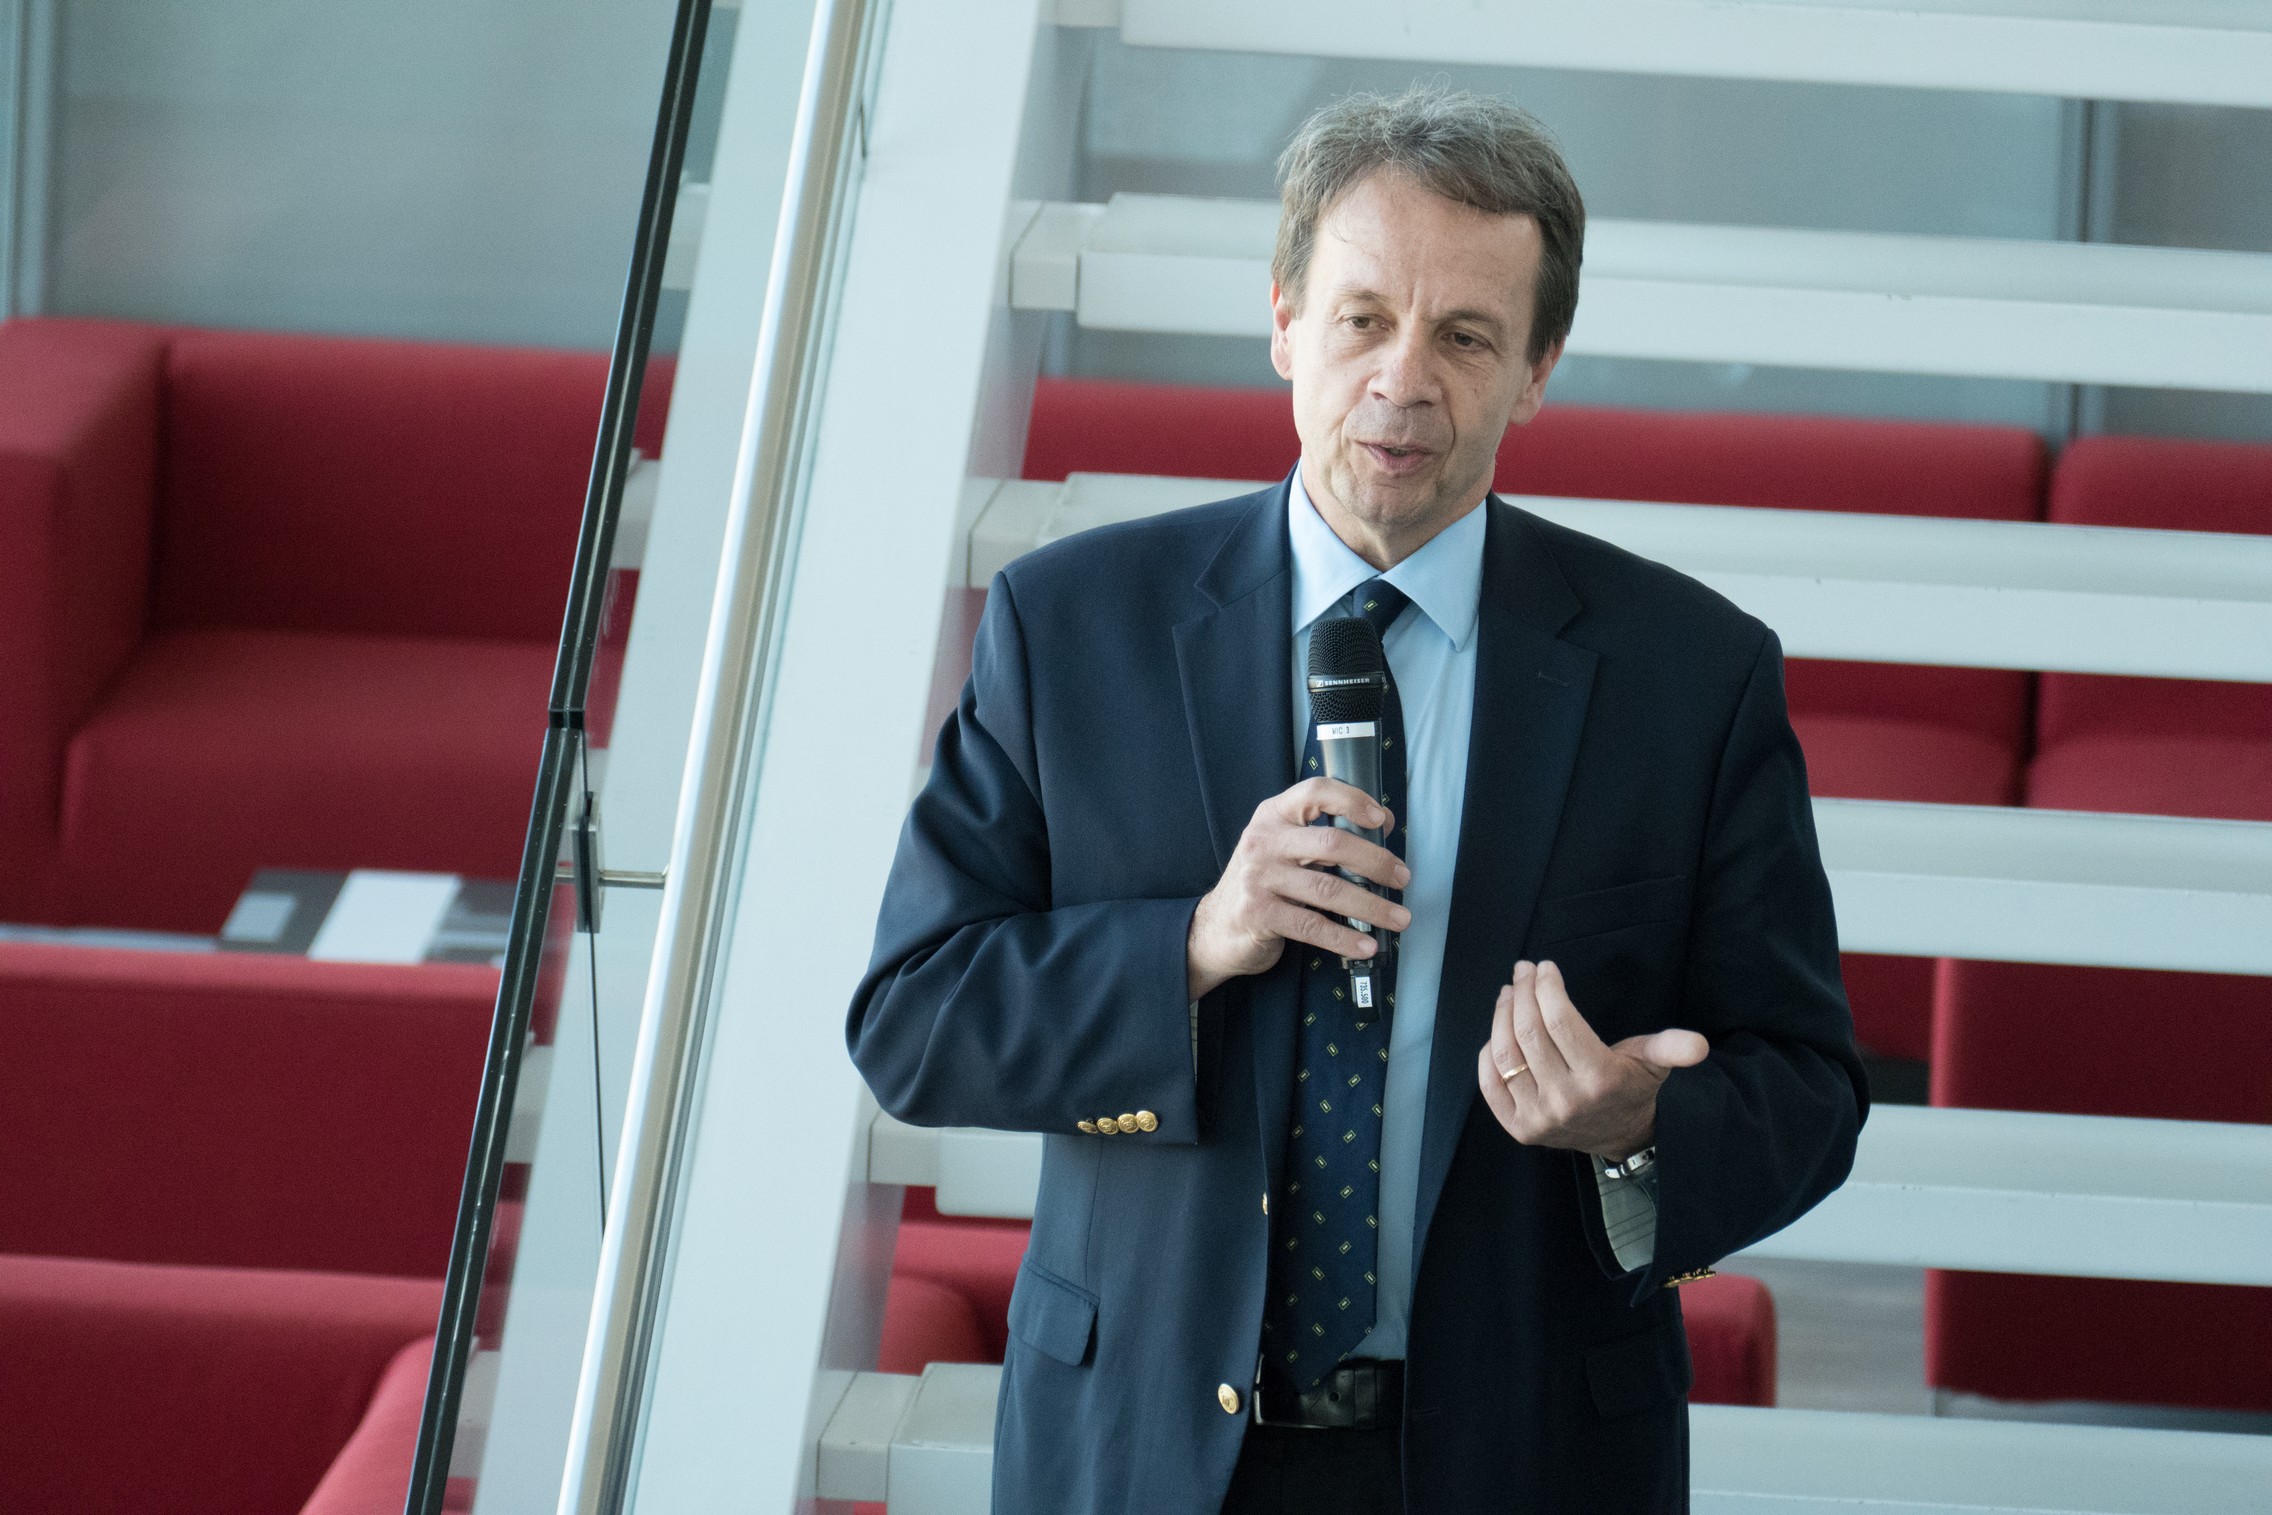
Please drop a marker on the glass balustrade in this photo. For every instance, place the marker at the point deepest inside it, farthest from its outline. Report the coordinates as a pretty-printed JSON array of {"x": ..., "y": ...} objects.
[{"x": 519, "y": 1288}]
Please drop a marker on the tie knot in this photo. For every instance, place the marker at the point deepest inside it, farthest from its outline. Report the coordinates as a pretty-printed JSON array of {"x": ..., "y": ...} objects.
[{"x": 1380, "y": 602}]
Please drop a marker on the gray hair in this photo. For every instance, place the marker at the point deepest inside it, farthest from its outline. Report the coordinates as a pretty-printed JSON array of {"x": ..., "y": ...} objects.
[{"x": 1469, "y": 148}]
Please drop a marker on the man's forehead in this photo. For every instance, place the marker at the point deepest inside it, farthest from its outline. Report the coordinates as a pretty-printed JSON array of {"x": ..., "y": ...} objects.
[{"x": 1470, "y": 259}]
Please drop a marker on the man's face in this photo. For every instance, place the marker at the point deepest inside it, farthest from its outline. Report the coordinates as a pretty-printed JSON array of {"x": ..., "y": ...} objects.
[{"x": 1407, "y": 358}]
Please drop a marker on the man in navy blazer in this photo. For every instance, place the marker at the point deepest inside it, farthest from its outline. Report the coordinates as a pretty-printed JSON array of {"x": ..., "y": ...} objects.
[{"x": 1620, "y": 1050}]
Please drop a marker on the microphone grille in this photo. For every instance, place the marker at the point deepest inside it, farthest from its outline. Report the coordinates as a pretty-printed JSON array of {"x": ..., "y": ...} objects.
[{"x": 1346, "y": 648}]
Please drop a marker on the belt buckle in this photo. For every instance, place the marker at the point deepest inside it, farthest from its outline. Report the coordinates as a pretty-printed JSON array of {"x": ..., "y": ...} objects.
[{"x": 1257, "y": 1404}]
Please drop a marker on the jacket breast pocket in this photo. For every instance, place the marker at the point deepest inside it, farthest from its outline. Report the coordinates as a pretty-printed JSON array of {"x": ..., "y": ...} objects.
[
  {"x": 1596, "y": 912},
  {"x": 1052, "y": 1317}
]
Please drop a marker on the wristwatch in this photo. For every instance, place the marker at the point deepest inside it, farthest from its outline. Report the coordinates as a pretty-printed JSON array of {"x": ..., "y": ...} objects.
[{"x": 1634, "y": 1166}]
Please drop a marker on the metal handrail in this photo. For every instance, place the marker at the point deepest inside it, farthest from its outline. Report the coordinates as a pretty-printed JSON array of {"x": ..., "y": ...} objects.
[{"x": 707, "y": 845}]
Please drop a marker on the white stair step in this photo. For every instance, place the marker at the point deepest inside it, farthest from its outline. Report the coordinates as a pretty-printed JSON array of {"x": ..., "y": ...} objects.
[
  {"x": 2201, "y": 52},
  {"x": 2062, "y": 312}
]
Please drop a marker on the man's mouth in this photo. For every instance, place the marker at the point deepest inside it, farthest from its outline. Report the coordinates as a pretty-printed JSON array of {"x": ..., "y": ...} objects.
[{"x": 1396, "y": 458}]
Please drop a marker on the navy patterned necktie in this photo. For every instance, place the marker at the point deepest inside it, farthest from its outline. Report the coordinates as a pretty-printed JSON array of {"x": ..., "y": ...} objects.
[{"x": 1325, "y": 1226}]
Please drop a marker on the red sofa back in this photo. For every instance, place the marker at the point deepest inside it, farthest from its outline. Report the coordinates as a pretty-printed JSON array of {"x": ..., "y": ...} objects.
[
  {"x": 238, "y": 1110},
  {"x": 345, "y": 484}
]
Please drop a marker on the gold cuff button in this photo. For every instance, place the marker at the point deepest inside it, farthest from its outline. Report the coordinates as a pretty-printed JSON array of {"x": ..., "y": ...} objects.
[
  {"x": 1088, "y": 1127},
  {"x": 1145, "y": 1121},
  {"x": 1228, "y": 1398},
  {"x": 1109, "y": 1126},
  {"x": 1131, "y": 1125}
]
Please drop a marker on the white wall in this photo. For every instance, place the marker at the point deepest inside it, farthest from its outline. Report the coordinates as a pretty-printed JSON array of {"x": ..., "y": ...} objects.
[{"x": 424, "y": 168}]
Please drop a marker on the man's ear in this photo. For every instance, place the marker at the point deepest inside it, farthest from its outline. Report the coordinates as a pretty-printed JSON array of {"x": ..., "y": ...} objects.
[
  {"x": 1534, "y": 386},
  {"x": 1281, "y": 331}
]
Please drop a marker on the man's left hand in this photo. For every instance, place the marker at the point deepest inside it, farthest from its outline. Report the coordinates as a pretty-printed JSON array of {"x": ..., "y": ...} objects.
[{"x": 1553, "y": 1083}]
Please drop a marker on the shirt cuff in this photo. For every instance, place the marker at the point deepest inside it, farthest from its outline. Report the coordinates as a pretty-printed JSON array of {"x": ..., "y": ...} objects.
[{"x": 1629, "y": 1215}]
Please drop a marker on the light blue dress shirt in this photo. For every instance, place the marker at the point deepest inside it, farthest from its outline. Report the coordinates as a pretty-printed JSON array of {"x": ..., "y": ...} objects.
[{"x": 1431, "y": 654}]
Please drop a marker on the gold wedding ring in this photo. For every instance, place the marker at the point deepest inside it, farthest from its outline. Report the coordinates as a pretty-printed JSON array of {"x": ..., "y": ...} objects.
[{"x": 1514, "y": 1073}]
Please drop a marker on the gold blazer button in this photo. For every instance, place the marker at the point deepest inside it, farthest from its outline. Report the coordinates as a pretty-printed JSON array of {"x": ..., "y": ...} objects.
[
  {"x": 1088, "y": 1127},
  {"x": 1228, "y": 1398},
  {"x": 1108, "y": 1125},
  {"x": 1145, "y": 1121}
]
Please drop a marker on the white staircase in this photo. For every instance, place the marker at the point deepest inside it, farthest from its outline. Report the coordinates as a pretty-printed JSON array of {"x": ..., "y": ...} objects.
[{"x": 950, "y": 277}]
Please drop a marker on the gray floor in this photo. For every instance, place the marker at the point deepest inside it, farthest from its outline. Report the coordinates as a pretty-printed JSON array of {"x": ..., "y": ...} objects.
[{"x": 1852, "y": 1337}]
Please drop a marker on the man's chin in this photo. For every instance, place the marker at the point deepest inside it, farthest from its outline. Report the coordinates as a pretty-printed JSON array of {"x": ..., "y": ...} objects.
[{"x": 1392, "y": 504}]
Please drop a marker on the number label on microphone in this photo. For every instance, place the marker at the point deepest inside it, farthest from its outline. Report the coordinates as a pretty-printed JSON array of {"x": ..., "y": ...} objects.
[
  {"x": 1363, "y": 983},
  {"x": 1341, "y": 731}
]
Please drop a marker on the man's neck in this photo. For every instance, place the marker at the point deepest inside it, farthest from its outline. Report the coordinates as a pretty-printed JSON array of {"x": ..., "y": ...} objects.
[{"x": 1382, "y": 549}]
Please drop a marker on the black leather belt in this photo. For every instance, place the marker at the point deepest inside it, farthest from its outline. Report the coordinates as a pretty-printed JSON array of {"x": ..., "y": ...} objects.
[{"x": 1363, "y": 1394}]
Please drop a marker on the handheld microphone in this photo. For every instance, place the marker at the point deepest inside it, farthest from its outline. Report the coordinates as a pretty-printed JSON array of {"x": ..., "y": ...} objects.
[{"x": 1348, "y": 684}]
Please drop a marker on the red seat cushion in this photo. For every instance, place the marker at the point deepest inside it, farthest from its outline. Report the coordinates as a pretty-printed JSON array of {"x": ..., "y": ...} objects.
[
  {"x": 140, "y": 1390},
  {"x": 1731, "y": 1339},
  {"x": 236, "y": 1109},
  {"x": 1871, "y": 731},
  {"x": 246, "y": 750}
]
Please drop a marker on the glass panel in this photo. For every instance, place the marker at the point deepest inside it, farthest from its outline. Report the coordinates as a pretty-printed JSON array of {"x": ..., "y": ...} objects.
[{"x": 519, "y": 1289}]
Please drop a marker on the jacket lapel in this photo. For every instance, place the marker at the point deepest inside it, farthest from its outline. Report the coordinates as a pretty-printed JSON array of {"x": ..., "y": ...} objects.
[
  {"x": 1237, "y": 677},
  {"x": 1531, "y": 691}
]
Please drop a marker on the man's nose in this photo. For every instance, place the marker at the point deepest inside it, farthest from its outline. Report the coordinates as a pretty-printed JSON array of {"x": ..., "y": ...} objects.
[{"x": 1406, "y": 376}]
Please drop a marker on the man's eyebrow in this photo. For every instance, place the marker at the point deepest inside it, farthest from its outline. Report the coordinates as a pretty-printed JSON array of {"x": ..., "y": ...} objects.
[
  {"x": 1473, "y": 318},
  {"x": 1351, "y": 294}
]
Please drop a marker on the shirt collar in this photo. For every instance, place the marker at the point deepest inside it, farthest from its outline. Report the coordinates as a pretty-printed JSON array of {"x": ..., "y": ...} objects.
[{"x": 1444, "y": 578}]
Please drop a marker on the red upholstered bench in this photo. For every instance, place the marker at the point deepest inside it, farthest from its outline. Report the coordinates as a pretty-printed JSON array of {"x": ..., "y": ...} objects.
[
  {"x": 136, "y": 1389},
  {"x": 236, "y": 1109},
  {"x": 274, "y": 601},
  {"x": 1871, "y": 731},
  {"x": 950, "y": 1302},
  {"x": 2024, "y": 1037}
]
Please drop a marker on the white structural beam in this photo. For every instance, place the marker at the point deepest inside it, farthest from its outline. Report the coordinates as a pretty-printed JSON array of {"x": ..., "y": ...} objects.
[
  {"x": 2078, "y": 1195},
  {"x": 687, "y": 218},
  {"x": 1985, "y": 1190},
  {"x": 925, "y": 1447},
  {"x": 1825, "y": 1462},
  {"x": 2202, "y": 52},
  {"x": 2062, "y": 312},
  {"x": 1903, "y": 589},
  {"x": 2007, "y": 884}
]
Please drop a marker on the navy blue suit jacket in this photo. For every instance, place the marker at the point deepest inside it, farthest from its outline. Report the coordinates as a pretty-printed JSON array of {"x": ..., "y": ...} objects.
[{"x": 1636, "y": 810}]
